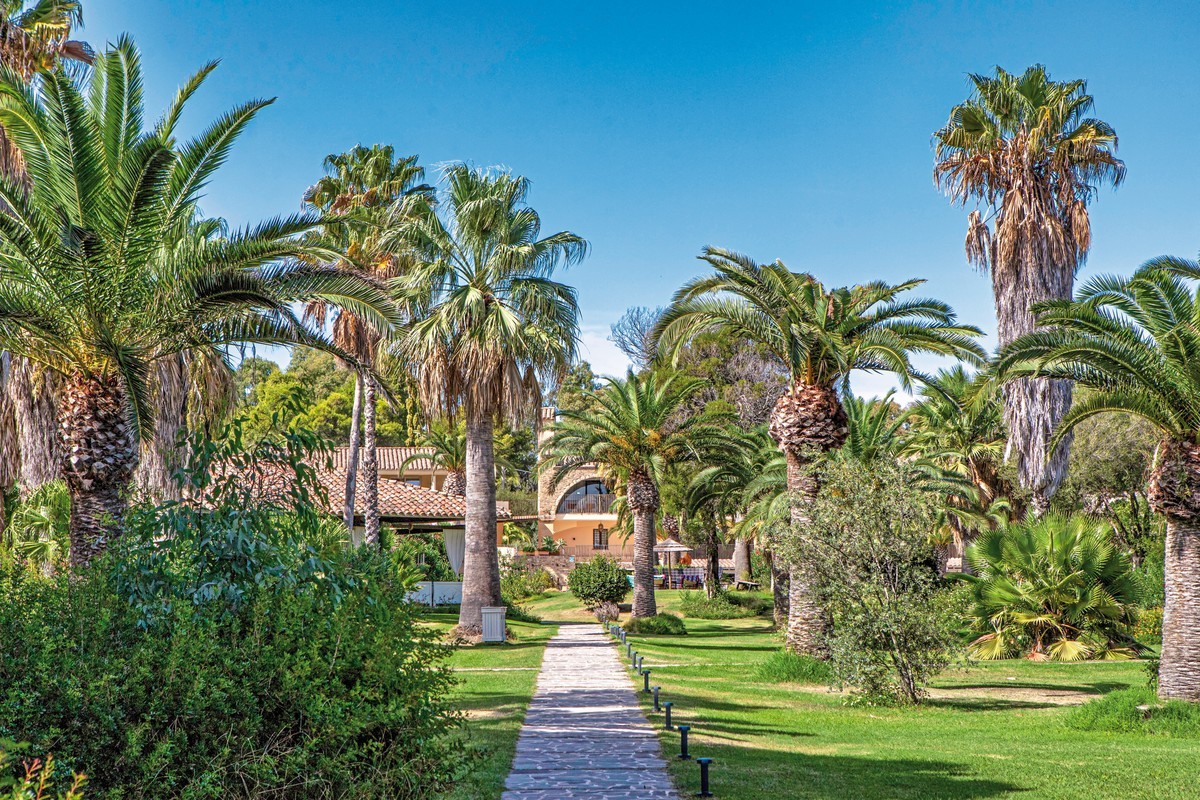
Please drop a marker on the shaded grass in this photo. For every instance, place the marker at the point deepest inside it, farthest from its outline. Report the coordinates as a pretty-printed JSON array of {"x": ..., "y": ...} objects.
[
  {"x": 791, "y": 740},
  {"x": 1137, "y": 710}
]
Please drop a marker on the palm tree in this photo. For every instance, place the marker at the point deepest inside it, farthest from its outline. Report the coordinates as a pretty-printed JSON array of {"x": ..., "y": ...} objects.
[
  {"x": 444, "y": 445},
  {"x": 875, "y": 429},
  {"x": 632, "y": 429},
  {"x": 489, "y": 323},
  {"x": 1052, "y": 588},
  {"x": 1024, "y": 151},
  {"x": 1135, "y": 342},
  {"x": 93, "y": 287},
  {"x": 821, "y": 335},
  {"x": 34, "y": 40},
  {"x": 361, "y": 186}
]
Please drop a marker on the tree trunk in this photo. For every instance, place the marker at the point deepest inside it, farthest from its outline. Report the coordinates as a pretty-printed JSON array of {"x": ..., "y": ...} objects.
[
  {"x": 712, "y": 580},
  {"x": 34, "y": 395},
  {"x": 352, "y": 456},
  {"x": 99, "y": 459},
  {"x": 481, "y": 566},
  {"x": 1033, "y": 407},
  {"x": 370, "y": 464},
  {"x": 742, "y": 562},
  {"x": 643, "y": 500},
  {"x": 10, "y": 452},
  {"x": 161, "y": 457},
  {"x": 779, "y": 592},
  {"x": 1179, "y": 667},
  {"x": 806, "y": 620},
  {"x": 455, "y": 484}
]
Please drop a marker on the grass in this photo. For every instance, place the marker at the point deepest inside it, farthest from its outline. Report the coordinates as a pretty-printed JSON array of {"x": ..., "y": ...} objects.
[
  {"x": 497, "y": 683},
  {"x": 992, "y": 730}
]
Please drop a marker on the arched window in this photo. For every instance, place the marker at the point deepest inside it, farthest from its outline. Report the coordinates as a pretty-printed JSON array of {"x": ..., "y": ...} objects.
[{"x": 589, "y": 497}]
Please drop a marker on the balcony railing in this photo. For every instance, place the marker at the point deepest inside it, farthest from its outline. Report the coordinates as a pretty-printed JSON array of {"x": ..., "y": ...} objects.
[{"x": 588, "y": 504}]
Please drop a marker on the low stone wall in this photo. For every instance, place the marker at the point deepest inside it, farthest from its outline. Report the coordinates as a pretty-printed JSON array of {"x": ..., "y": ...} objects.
[{"x": 558, "y": 566}]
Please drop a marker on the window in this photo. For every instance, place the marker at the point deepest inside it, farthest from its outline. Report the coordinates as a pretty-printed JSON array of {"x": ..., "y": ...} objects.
[
  {"x": 413, "y": 481},
  {"x": 589, "y": 497},
  {"x": 600, "y": 538}
]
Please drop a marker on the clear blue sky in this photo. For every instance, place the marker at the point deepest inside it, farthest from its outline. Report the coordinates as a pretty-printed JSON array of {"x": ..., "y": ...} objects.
[{"x": 798, "y": 131}]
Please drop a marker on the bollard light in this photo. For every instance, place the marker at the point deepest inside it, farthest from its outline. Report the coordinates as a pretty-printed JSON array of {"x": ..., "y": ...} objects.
[
  {"x": 628, "y": 648},
  {"x": 656, "y": 706},
  {"x": 667, "y": 719},
  {"x": 645, "y": 681},
  {"x": 704, "y": 762},
  {"x": 683, "y": 732},
  {"x": 639, "y": 663}
]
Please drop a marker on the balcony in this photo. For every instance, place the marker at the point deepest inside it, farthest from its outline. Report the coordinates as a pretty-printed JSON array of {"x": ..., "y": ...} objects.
[{"x": 588, "y": 504}]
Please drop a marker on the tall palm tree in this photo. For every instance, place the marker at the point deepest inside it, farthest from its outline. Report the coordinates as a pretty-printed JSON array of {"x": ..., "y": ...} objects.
[
  {"x": 1024, "y": 151},
  {"x": 93, "y": 286},
  {"x": 821, "y": 335},
  {"x": 34, "y": 40},
  {"x": 444, "y": 445},
  {"x": 489, "y": 323},
  {"x": 361, "y": 187},
  {"x": 632, "y": 429},
  {"x": 1136, "y": 342}
]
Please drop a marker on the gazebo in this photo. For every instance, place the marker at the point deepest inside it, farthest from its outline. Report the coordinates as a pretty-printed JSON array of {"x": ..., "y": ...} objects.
[{"x": 671, "y": 545}]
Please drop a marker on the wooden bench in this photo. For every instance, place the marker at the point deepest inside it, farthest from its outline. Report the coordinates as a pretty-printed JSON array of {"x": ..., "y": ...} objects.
[{"x": 740, "y": 585}]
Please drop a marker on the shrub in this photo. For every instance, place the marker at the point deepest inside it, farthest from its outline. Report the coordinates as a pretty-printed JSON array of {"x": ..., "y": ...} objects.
[
  {"x": 1148, "y": 627},
  {"x": 1118, "y": 712},
  {"x": 784, "y": 666},
  {"x": 34, "y": 781},
  {"x": 519, "y": 581},
  {"x": 607, "y": 612},
  {"x": 1055, "y": 588},
  {"x": 600, "y": 580},
  {"x": 663, "y": 623},
  {"x": 698, "y": 605},
  {"x": 865, "y": 550}
]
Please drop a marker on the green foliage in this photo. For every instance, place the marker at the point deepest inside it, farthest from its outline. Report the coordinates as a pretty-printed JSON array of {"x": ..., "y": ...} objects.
[
  {"x": 785, "y": 666},
  {"x": 37, "y": 531},
  {"x": 1148, "y": 628},
  {"x": 865, "y": 550},
  {"x": 1052, "y": 587},
  {"x": 519, "y": 581},
  {"x": 600, "y": 580},
  {"x": 700, "y": 606},
  {"x": 1137, "y": 710},
  {"x": 426, "y": 552},
  {"x": 34, "y": 780},
  {"x": 663, "y": 623}
]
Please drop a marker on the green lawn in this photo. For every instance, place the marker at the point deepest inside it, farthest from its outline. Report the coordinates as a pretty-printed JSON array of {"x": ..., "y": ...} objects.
[
  {"x": 497, "y": 684},
  {"x": 993, "y": 730}
]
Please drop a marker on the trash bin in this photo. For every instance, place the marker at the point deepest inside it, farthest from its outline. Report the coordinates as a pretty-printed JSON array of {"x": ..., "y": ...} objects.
[{"x": 493, "y": 623}]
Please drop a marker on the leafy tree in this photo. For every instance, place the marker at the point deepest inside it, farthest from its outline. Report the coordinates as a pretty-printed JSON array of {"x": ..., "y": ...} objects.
[
  {"x": 94, "y": 286},
  {"x": 821, "y": 335},
  {"x": 490, "y": 324},
  {"x": 740, "y": 376},
  {"x": 863, "y": 547},
  {"x": 1025, "y": 149},
  {"x": 1054, "y": 588},
  {"x": 1133, "y": 342},
  {"x": 634, "y": 436},
  {"x": 572, "y": 392}
]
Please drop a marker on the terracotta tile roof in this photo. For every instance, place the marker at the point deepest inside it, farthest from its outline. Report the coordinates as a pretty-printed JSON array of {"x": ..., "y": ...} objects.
[
  {"x": 390, "y": 458},
  {"x": 397, "y": 499}
]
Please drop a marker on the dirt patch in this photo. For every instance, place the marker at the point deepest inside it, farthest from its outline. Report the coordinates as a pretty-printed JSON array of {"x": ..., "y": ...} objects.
[{"x": 1019, "y": 694}]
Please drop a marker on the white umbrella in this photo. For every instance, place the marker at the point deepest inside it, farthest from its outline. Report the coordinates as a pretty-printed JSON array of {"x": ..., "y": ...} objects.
[{"x": 668, "y": 546}]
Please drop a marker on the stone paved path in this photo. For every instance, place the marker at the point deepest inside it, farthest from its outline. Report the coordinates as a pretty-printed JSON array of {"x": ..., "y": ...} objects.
[{"x": 585, "y": 737}]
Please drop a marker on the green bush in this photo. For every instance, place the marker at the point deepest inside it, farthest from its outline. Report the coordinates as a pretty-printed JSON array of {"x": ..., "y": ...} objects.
[
  {"x": 1118, "y": 712},
  {"x": 698, "y": 605},
  {"x": 663, "y": 623},
  {"x": 33, "y": 780},
  {"x": 1148, "y": 627},
  {"x": 600, "y": 580},
  {"x": 784, "y": 666},
  {"x": 519, "y": 581}
]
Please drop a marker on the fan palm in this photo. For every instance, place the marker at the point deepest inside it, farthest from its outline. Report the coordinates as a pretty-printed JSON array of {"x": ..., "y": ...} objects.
[
  {"x": 1024, "y": 151},
  {"x": 1052, "y": 588},
  {"x": 34, "y": 40},
  {"x": 38, "y": 530},
  {"x": 633, "y": 431},
  {"x": 821, "y": 335},
  {"x": 1136, "y": 342},
  {"x": 489, "y": 323},
  {"x": 361, "y": 186},
  {"x": 94, "y": 284}
]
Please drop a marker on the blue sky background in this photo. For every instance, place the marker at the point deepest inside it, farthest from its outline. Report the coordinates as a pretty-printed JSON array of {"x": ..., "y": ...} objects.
[{"x": 798, "y": 131}]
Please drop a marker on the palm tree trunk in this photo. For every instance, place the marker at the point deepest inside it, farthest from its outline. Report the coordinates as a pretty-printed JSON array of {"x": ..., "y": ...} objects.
[
  {"x": 370, "y": 465},
  {"x": 643, "y": 563},
  {"x": 742, "y": 565},
  {"x": 10, "y": 452},
  {"x": 34, "y": 396},
  {"x": 1179, "y": 667},
  {"x": 779, "y": 592},
  {"x": 1033, "y": 407},
  {"x": 806, "y": 623},
  {"x": 481, "y": 565},
  {"x": 99, "y": 462},
  {"x": 455, "y": 484},
  {"x": 161, "y": 456},
  {"x": 712, "y": 580},
  {"x": 352, "y": 456}
]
